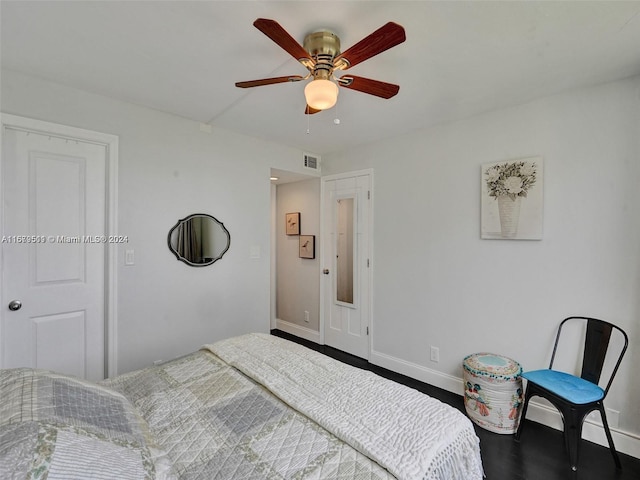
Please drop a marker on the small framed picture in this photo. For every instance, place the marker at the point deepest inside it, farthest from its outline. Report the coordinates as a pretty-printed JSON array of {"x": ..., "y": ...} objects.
[
  {"x": 292, "y": 221},
  {"x": 307, "y": 246}
]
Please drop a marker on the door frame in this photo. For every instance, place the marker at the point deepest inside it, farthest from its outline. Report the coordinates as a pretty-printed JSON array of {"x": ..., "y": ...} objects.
[
  {"x": 324, "y": 261},
  {"x": 110, "y": 142}
]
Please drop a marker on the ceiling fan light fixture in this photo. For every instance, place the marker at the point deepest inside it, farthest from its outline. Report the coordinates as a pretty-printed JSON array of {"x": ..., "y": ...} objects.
[{"x": 321, "y": 94}]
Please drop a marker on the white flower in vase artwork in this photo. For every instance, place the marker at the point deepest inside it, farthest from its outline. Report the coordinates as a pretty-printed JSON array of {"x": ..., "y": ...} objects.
[{"x": 507, "y": 184}]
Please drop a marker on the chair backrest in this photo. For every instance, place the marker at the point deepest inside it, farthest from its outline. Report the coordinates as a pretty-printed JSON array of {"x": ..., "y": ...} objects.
[{"x": 596, "y": 344}]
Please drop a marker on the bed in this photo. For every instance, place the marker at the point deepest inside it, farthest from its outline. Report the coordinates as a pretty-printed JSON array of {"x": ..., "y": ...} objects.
[{"x": 250, "y": 407}]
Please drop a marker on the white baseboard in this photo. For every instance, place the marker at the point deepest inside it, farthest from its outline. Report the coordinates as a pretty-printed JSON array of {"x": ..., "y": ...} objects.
[
  {"x": 426, "y": 375},
  {"x": 625, "y": 442},
  {"x": 298, "y": 330}
]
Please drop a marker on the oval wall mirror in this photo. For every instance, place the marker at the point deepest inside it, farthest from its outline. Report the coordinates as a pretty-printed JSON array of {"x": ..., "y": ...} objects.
[{"x": 199, "y": 240}]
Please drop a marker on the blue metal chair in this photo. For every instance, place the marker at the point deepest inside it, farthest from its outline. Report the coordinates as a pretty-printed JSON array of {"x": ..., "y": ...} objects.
[{"x": 575, "y": 397}]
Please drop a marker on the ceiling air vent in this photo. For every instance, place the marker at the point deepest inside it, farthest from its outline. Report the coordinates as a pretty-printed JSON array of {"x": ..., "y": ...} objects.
[{"x": 312, "y": 161}]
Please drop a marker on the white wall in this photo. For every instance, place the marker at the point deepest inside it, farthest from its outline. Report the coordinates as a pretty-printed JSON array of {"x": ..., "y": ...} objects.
[
  {"x": 168, "y": 169},
  {"x": 437, "y": 283},
  {"x": 298, "y": 279}
]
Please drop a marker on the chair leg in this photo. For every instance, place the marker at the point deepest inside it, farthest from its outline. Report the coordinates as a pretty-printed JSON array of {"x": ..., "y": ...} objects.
[
  {"x": 612, "y": 447},
  {"x": 523, "y": 413},
  {"x": 573, "y": 419}
]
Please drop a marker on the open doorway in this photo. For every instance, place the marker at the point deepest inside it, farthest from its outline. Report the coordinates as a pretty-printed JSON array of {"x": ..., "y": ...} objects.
[{"x": 295, "y": 278}]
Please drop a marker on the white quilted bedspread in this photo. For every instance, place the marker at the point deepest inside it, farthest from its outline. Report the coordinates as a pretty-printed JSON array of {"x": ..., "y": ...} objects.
[{"x": 409, "y": 433}]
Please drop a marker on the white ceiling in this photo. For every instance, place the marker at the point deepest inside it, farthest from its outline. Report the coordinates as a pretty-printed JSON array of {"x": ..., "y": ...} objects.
[{"x": 183, "y": 57}]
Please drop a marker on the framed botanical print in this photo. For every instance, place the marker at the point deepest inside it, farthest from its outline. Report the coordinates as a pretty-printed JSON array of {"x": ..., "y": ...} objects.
[
  {"x": 292, "y": 221},
  {"x": 511, "y": 204},
  {"x": 307, "y": 246}
]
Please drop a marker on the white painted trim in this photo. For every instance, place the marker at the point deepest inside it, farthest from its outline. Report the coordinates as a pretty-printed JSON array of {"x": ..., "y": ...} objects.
[
  {"x": 272, "y": 261},
  {"x": 355, "y": 173},
  {"x": 625, "y": 442},
  {"x": 298, "y": 331},
  {"x": 424, "y": 374},
  {"x": 111, "y": 264},
  {"x": 112, "y": 258},
  {"x": 322, "y": 257}
]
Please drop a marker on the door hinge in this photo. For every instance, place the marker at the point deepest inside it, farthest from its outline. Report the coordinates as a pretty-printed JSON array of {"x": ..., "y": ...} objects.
[
  {"x": 367, "y": 263},
  {"x": 367, "y": 330},
  {"x": 368, "y": 194}
]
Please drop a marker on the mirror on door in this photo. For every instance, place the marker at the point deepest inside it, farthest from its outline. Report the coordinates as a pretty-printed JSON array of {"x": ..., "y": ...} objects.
[
  {"x": 344, "y": 250},
  {"x": 199, "y": 240}
]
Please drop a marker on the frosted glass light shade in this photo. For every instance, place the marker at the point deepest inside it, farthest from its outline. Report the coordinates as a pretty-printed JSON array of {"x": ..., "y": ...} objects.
[{"x": 321, "y": 94}]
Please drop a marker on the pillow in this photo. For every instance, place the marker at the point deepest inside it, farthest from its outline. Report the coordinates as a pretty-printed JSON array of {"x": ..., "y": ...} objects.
[{"x": 60, "y": 427}]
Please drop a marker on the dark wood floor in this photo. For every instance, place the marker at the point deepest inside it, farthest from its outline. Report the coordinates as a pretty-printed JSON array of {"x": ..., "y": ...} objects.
[{"x": 538, "y": 456}]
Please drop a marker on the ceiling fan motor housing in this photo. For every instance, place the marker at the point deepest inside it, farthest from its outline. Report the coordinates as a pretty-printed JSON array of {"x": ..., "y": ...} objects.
[{"x": 323, "y": 46}]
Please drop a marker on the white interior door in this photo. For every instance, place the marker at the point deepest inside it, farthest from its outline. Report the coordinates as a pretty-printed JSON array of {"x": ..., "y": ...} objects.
[
  {"x": 346, "y": 285},
  {"x": 54, "y": 247}
]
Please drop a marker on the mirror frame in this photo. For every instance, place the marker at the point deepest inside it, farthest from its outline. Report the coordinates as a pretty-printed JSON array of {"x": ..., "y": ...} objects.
[{"x": 189, "y": 217}]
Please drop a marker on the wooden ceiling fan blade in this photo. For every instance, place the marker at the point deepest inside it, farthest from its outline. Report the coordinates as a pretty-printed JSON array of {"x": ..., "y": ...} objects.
[
  {"x": 367, "y": 85},
  {"x": 387, "y": 36},
  {"x": 310, "y": 111},
  {"x": 269, "y": 81},
  {"x": 279, "y": 35}
]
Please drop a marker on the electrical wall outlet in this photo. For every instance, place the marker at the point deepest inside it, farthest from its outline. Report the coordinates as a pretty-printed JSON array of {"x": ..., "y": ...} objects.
[
  {"x": 435, "y": 354},
  {"x": 129, "y": 257},
  {"x": 306, "y": 316}
]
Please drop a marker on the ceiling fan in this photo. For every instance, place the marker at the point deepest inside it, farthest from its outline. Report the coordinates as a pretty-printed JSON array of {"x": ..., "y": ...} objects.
[{"x": 320, "y": 54}]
